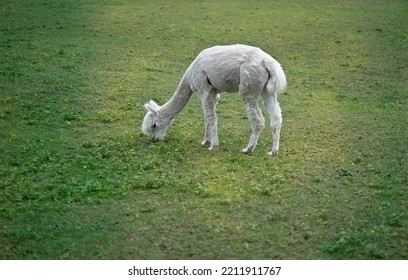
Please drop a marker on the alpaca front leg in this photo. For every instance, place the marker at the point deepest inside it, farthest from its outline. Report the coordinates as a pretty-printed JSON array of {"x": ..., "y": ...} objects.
[
  {"x": 207, "y": 140},
  {"x": 210, "y": 142},
  {"x": 210, "y": 118},
  {"x": 213, "y": 131}
]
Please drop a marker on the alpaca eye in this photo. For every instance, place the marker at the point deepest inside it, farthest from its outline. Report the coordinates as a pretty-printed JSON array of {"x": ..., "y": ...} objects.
[{"x": 154, "y": 125}]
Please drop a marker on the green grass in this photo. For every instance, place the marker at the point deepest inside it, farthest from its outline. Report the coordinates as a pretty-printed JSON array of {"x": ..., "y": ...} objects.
[{"x": 80, "y": 181}]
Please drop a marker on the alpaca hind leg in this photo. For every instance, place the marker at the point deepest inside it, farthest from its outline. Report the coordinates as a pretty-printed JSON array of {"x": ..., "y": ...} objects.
[
  {"x": 275, "y": 115},
  {"x": 209, "y": 101},
  {"x": 257, "y": 121}
]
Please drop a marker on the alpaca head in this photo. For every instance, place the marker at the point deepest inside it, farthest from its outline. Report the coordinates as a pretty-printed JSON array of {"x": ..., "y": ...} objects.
[{"x": 154, "y": 124}]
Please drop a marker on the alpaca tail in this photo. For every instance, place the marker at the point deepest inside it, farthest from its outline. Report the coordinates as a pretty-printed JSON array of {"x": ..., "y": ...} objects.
[{"x": 277, "y": 79}]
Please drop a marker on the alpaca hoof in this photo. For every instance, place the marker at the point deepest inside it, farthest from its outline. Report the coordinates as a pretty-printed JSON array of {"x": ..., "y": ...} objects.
[
  {"x": 273, "y": 153},
  {"x": 213, "y": 148},
  {"x": 206, "y": 144},
  {"x": 247, "y": 150}
]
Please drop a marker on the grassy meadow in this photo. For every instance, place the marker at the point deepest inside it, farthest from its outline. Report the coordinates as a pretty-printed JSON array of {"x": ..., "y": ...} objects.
[{"x": 78, "y": 180}]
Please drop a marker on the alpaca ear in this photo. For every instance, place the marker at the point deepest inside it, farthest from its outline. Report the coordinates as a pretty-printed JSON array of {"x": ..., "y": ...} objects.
[
  {"x": 152, "y": 109},
  {"x": 154, "y": 104}
]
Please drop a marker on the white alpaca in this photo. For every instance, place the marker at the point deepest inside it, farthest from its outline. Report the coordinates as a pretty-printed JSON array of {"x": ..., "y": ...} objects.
[{"x": 234, "y": 68}]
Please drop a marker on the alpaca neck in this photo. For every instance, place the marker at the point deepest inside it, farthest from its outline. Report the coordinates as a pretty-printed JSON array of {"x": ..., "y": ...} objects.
[{"x": 178, "y": 101}]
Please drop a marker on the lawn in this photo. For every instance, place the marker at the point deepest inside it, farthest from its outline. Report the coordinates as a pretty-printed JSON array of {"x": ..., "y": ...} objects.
[{"x": 78, "y": 179}]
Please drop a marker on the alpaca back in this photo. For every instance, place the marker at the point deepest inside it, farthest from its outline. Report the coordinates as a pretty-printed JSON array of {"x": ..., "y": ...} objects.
[{"x": 224, "y": 67}]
